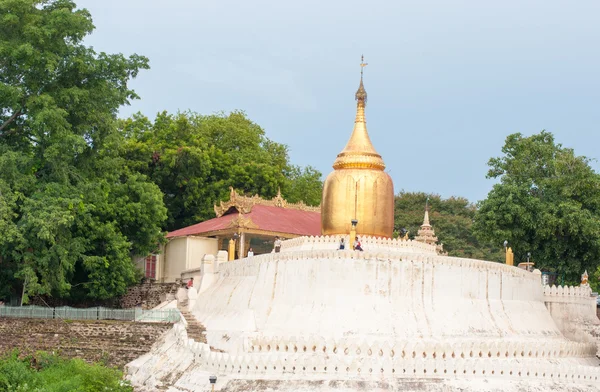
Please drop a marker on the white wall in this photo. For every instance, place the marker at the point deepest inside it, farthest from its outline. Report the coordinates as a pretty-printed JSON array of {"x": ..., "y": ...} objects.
[
  {"x": 197, "y": 248},
  {"x": 571, "y": 307},
  {"x": 175, "y": 259},
  {"x": 346, "y": 293},
  {"x": 186, "y": 253}
]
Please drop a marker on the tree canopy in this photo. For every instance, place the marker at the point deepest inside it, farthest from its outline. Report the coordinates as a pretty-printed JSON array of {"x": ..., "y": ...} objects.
[
  {"x": 547, "y": 203},
  {"x": 81, "y": 191},
  {"x": 452, "y": 220},
  {"x": 194, "y": 159},
  {"x": 71, "y": 212}
]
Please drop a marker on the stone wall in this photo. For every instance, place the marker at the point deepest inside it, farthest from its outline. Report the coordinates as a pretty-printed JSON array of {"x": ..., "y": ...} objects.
[
  {"x": 570, "y": 302},
  {"x": 112, "y": 342},
  {"x": 345, "y": 293},
  {"x": 308, "y": 360},
  {"x": 573, "y": 309},
  {"x": 148, "y": 294}
]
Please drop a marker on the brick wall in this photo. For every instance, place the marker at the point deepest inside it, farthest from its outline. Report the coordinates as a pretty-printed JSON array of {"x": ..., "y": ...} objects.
[
  {"x": 112, "y": 342},
  {"x": 148, "y": 294}
]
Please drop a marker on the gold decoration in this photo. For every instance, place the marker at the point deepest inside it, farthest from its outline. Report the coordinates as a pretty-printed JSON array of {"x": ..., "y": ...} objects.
[
  {"x": 358, "y": 187},
  {"x": 510, "y": 257},
  {"x": 231, "y": 250},
  {"x": 242, "y": 222},
  {"x": 243, "y": 204}
]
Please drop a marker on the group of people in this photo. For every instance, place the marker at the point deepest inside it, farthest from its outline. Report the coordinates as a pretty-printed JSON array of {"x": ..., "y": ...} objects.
[
  {"x": 277, "y": 245},
  {"x": 356, "y": 246}
]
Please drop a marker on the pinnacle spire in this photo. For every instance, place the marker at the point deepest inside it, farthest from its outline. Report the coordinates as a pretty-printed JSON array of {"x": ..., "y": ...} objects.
[
  {"x": 426, "y": 217},
  {"x": 361, "y": 93},
  {"x": 359, "y": 151},
  {"x": 426, "y": 233}
]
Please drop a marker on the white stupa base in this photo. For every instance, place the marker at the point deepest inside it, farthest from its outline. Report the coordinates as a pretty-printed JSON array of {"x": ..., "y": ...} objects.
[{"x": 394, "y": 317}]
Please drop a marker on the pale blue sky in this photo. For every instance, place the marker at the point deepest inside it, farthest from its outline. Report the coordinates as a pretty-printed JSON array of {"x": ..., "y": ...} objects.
[{"x": 447, "y": 80}]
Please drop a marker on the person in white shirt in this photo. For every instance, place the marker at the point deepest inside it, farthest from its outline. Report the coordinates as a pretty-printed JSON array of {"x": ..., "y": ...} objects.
[
  {"x": 277, "y": 245},
  {"x": 250, "y": 252}
]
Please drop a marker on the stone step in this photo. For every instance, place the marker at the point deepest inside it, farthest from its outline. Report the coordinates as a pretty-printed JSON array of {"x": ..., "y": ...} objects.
[{"x": 195, "y": 329}]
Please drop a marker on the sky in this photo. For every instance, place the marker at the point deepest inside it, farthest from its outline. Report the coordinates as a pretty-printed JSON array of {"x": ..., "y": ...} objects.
[{"x": 447, "y": 81}]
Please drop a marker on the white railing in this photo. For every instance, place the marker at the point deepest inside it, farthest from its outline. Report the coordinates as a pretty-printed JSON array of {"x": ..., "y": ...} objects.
[{"x": 250, "y": 265}]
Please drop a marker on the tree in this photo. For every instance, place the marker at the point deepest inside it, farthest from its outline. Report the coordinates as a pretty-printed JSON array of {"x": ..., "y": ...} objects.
[
  {"x": 194, "y": 159},
  {"x": 303, "y": 184},
  {"x": 72, "y": 212},
  {"x": 451, "y": 219},
  {"x": 547, "y": 202}
]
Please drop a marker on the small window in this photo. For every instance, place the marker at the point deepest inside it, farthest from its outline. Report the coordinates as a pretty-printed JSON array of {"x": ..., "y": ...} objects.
[{"x": 150, "y": 270}]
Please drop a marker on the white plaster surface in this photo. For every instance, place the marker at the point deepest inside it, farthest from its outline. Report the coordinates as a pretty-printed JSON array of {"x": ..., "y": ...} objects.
[
  {"x": 341, "y": 293},
  {"x": 320, "y": 319},
  {"x": 387, "y": 245},
  {"x": 170, "y": 304}
]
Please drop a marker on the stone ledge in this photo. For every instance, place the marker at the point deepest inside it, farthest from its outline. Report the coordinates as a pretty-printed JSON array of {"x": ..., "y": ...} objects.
[
  {"x": 309, "y": 367},
  {"x": 486, "y": 348}
]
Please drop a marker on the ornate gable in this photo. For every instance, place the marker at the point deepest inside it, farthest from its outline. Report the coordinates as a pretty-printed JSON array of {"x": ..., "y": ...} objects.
[{"x": 243, "y": 204}]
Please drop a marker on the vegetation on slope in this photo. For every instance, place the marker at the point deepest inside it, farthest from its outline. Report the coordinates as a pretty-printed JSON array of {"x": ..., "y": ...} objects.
[{"x": 50, "y": 373}]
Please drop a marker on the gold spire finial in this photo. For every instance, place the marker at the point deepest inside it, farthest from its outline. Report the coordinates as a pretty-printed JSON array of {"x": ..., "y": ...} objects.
[
  {"x": 359, "y": 153},
  {"x": 362, "y": 65},
  {"x": 361, "y": 93}
]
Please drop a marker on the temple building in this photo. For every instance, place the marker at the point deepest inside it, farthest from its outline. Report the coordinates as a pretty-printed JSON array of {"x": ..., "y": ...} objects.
[{"x": 252, "y": 222}]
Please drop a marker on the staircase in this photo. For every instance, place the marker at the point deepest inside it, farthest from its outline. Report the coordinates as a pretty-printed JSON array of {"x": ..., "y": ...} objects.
[{"x": 195, "y": 329}]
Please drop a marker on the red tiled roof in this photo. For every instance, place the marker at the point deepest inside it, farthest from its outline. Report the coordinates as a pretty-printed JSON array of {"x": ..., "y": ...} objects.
[{"x": 269, "y": 218}]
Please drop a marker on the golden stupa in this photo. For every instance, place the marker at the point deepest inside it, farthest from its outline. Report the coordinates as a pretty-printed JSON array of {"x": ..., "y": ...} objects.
[{"x": 358, "y": 189}]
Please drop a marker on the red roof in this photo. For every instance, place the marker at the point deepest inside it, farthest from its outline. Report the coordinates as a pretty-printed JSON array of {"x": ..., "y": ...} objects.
[{"x": 269, "y": 218}]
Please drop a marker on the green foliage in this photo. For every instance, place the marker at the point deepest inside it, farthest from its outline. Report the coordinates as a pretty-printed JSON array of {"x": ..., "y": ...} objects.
[
  {"x": 71, "y": 212},
  {"x": 80, "y": 192},
  {"x": 303, "y": 184},
  {"x": 50, "y": 373},
  {"x": 194, "y": 159},
  {"x": 451, "y": 219},
  {"x": 547, "y": 202}
]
